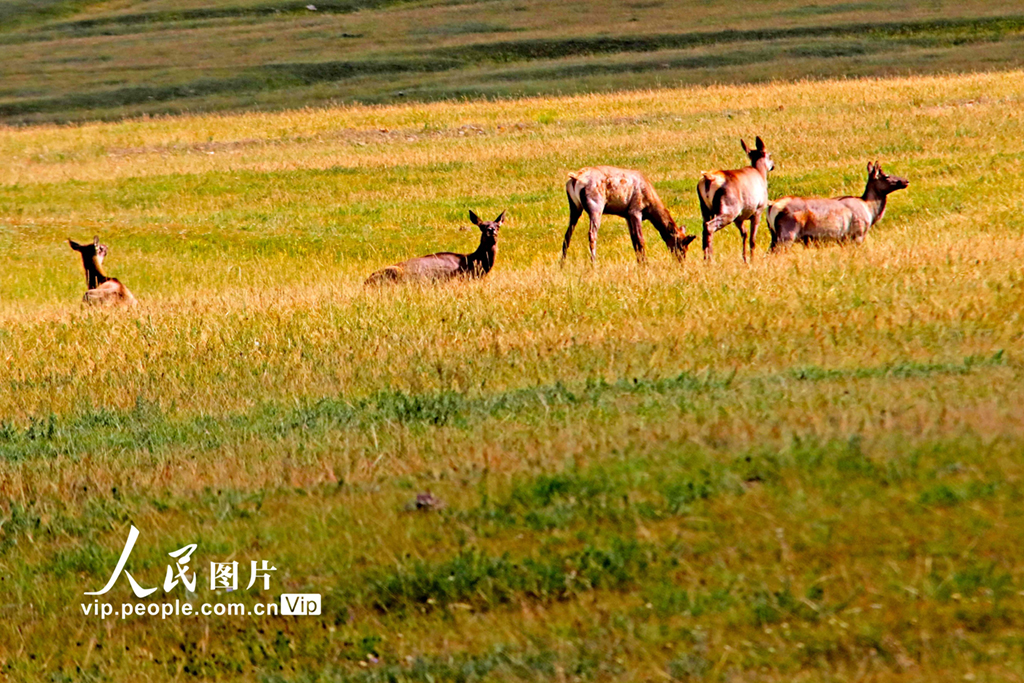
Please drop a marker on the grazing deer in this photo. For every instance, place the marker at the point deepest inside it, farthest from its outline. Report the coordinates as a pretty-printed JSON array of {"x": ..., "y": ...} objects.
[
  {"x": 447, "y": 265},
  {"x": 100, "y": 288},
  {"x": 839, "y": 219},
  {"x": 620, "y": 192},
  {"x": 736, "y": 196}
]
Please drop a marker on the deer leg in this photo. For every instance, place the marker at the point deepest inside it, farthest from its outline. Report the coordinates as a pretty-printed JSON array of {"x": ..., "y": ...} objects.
[
  {"x": 706, "y": 243},
  {"x": 754, "y": 221},
  {"x": 575, "y": 211},
  {"x": 713, "y": 225},
  {"x": 743, "y": 236},
  {"x": 594, "y": 213},
  {"x": 636, "y": 234},
  {"x": 706, "y": 216}
]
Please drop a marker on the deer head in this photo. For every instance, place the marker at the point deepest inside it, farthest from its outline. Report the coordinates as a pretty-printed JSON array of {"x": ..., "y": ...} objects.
[
  {"x": 92, "y": 260},
  {"x": 758, "y": 153},
  {"x": 90, "y": 251},
  {"x": 681, "y": 245},
  {"x": 488, "y": 229},
  {"x": 881, "y": 183}
]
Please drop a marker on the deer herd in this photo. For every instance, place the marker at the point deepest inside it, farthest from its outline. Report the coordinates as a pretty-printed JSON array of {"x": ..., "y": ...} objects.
[{"x": 735, "y": 196}]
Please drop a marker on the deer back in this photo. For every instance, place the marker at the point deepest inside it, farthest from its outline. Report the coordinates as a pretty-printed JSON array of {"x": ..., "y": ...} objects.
[
  {"x": 110, "y": 292},
  {"x": 617, "y": 189},
  {"x": 440, "y": 266}
]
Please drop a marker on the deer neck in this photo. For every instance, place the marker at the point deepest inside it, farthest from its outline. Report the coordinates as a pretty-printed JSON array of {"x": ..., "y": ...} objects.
[
  {"x": 876, "y": 203},
  {"x": 483, "y": 257},
  {"x": 761, "y": 166},
  {"x": 94, "y": 275},
  {"x": 662, "y": 221}
]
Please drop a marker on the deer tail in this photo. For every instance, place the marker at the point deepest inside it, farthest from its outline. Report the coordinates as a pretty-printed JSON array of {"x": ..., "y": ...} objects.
[
  {"x": 707, "y": 188},
  {"x": 774, "y": 209},
  {"x": 771, "y": 214},
  {"x": 573, "y": 188}
]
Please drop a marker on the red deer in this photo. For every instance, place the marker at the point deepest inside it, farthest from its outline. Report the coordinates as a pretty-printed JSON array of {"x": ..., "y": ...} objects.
[
  {"x": 736, "y": 196},
  {"x": 602, "y": 190},
  {"x": 447, "y": 265},
  {"x": 839, "y": 219},
  {"x": 100, "y": 288}
]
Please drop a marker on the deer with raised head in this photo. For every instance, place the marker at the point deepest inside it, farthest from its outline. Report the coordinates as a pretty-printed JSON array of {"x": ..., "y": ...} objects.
[
  {"x": 736, "y": 196},
  {"x": 447, "y": 265},
  {"x": 839, "y": 219},
  {"x": 100, "y": 289},
  {"x": 600, "y": 190}
]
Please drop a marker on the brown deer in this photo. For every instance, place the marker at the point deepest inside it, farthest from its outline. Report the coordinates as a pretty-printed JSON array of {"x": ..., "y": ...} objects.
[
  {"x": 736, "y": 196},
  {"x": 600, "y": 190},
  {"x": 840, "y": 219},
  {"x": 447, "y": 265},
  {"x": 101, "y": 289}
]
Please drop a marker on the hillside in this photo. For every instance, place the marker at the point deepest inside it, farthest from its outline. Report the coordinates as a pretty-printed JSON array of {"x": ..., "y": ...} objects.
[{"x": 67, "y": 60}]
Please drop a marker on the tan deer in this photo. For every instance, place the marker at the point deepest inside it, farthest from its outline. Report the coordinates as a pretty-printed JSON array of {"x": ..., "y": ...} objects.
[
  {"x": 447, "y": 265},
  {"x": 736, "y": 196},
  {"x": 600, "y": 190},
  {"x": 840, "y": 219},
  {"x": 101, "y": 289}
]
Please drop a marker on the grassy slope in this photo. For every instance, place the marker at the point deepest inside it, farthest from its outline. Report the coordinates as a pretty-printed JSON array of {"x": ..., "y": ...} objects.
[
  {"x": 78, "y": 60},
  {"x": 805, "y": 469}
]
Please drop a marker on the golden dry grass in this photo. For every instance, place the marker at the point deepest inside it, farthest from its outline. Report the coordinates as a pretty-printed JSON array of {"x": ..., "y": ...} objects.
[{"x": 821, "y": 449}]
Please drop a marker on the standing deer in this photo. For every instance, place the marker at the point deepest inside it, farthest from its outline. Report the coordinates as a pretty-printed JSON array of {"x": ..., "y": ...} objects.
[
  {"x": 621, "y": 192},
  {"x": 839, "y": 219},
  {"x": 447, "y": 265},
  {"x": 736, "y": 196},
  {"x": 100, "y": 288}
]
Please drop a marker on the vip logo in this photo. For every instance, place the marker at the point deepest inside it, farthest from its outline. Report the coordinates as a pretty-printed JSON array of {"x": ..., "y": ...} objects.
[{"x": 300, "y": 604}]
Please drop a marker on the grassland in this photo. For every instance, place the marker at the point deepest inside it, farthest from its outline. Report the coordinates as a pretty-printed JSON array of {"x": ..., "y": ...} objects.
[
  {"x": 805, "y": 469},
  {"x": 69, "y": 60}
]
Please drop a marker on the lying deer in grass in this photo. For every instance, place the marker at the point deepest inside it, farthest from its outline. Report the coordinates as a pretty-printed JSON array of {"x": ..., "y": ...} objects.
[
  {"x": 100, "y": 288},
  {"x": 447, "y": 265},
  {"x": 620, "y": 192},
  {"x": 736, "y": 196},
  {"x": 839, "y": 219}
]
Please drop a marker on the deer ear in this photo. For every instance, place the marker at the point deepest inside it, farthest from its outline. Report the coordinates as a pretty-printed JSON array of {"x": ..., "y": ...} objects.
[
  {"x": 743, "y": 144},
  {"x": 760, "y": 144},
  {"x": 871, "y": 169},
  {"x": 500, "y": 218},
  {"x": 474, "y": 218},
  {"x": 96, "y": 241},
  {"x": 74, "y": 245}
]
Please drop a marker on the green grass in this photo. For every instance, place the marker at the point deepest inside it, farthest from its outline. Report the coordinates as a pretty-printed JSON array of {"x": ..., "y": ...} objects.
[
  {"x": 809, "y": 468},
  {"x": 73, "y": 61}
]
